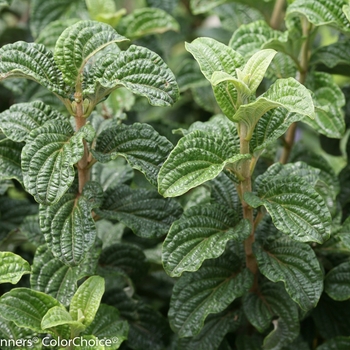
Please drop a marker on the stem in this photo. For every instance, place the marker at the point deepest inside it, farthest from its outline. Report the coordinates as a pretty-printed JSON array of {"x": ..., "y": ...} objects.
[
  {"x": 246, "y": 186},
  {"x": 83, "y": 164},
  {"x": 302, "y": 74},
  {"x": 277, "y": 14}
]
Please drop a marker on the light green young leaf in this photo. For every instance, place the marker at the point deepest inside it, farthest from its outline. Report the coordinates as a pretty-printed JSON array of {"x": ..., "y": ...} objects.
[
  {"x": 272, "y": 300},
  {"x": 58, "y": 316},
  {"x": 86, "y": 300},
  {"x": 296, "y": 265},
  {"x": 144, "y": 211},
  {"x": 329, "y": 101},
  {"x": 96, "y": 7},
  {"x": 337, "y": 282},
  {"x": 12, "y": 267},
  {"x": 78, "y": 43},
  {"x": 250, "y": 38},
  {"x": 321, "y": 12},
  {"x": 43, "y": 13},
  {"x": 287, "y": 93},
  {"x": 209, "y": 290},
  {"x": 32, "y": 61},
  {"x": 201, "y": 233},
  {"x": 107, "y": 324},
  {"x": 48, "y": 159},
  {"x": 255, "y": 69},
  {"x": 18, "y": 121},
  {"x": 143, "y": 148},
  {"x": 138, "y": 69},
  {"x": 26, "y": 307},
  {"x": 68, "y": 226},
  {"x": 146, "y": 21},
  {"x": 296, "y": 209},
  {"x": 10, "y": 160},
  {"x": 198, "y": 157}
]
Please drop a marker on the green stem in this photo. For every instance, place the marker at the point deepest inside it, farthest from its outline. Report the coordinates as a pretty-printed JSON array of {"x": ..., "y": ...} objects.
[
  {"x": 302, "y": 74},
  {"x": 83, "y": 164},
  {"x": 277, "y": 14},
  {"x": 246, "y": 186}
]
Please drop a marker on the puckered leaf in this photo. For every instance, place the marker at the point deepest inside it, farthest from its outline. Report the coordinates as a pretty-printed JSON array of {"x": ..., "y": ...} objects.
[
  {"x": 337, "y": 282},
  {"x": 328, "y": 100},
  {"x": 272, "y": 300},
  {"x": 86, "y": 300},
  {"x": 26, "y": 307},
  {"x": 296, "y": 209},
  {"x": 48, "y": 159},
  {"x": 249, "y": 38},
  {"x": 68, "y": 226},
  {"x": 107, "y": 324},
  {"x": 138, "y": 69},
  {"x": 198, "y": 157},
  {"x": 43, "y": 13},
  {"x": 18, "y": 121},
  {"x": 209, "y": 290},
  {"x": 10, "y": 159},
  {"x": 337, "y": 343},
  {"x": 287, "y": 93},
  {"x": 321, "y": 12},
  {"x": 200, "y": 234},
  {"x": 202, "y": 6},
  {"x": 147, "y": 21},
  {"x": 51, "y": 276},
  {"x": 78, "y": 43},
  {"x": 296, "y": 265},
  {"x": 32, "y": 61},
  {"x": 12, "y": 267},
  {"x": 144, "y": 211},
  {"x": 143, "y": 148}
]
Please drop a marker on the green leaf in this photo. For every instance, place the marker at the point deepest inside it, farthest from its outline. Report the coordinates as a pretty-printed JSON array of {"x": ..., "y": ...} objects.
[
  {"x": 26, "y": 307},
  {"x": 201, "y": 233},
  {"x": 52, "y": 32},
  {"x": 321, "y": 12},
  {"x": 296, "y": 265},
  {"x": 250, "y": 38},
  {"x": 332, "y": 55},
  {"x": 78, "y": 44},
  {"x": 12, "y": 268},
  {"x": 287, "y": 93},
  {"x": 143, "y": 148},
  {"x": 272, "y": 125},
  {"x": 18, "y": 121},
  {"x": 86, "y": 300},
  {"x": 296, "y": 209},
  {"x": 260, "y": 308},
  {"x": 337, "y": 343},
  {"x": 209, "y": 290},
  {"x": 32, "y": 61},
  {"x": 68, "y": 226},
  {"x": 57, "y": 316},
  {"x": 51, "y": 276},
  {"x": 329, "y": 101},
  {"x": 198, "y": 157},
  {"x": 144, "y": 211},
  {"x": 125, "y": 257},
  {"x": 43, "y": 13},
  {"x": 203, "y": 6},
  {"x": 337, "y": 282},
  {"x": 107, "y": 324},
  {"x": 256, "y": 67},
  {"x": 214, "y": 331},
  {"x": 146, "y": 21},
  {"x": 10, "y": 160},
  {"x": 138, "y": 69},
  {"x": 48, "y": 159}
]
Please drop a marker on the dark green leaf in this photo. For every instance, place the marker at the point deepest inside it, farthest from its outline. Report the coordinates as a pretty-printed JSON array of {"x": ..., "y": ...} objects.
[
  {"x": 139, "y": 144},
  {"x": 337, "y": 343},
  {"x": 201, "y": 233},
  {"x": 10, "y": 160},
  {"x": 337, "y": 282},
  {"x": 12, "y": 267}
]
